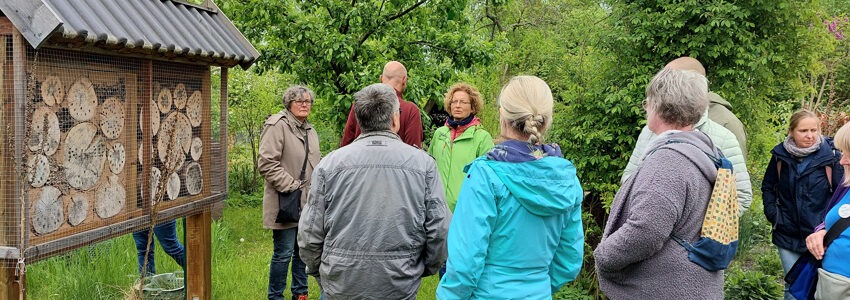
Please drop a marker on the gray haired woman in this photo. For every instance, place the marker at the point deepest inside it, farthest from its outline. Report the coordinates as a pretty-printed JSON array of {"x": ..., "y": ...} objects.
[
  {"x": 668, "y": 195},
  {"x": 286, "y": 138}
]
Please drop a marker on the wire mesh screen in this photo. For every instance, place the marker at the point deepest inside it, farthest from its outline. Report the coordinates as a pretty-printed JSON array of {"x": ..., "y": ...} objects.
[{"x": 95, "y": 146}]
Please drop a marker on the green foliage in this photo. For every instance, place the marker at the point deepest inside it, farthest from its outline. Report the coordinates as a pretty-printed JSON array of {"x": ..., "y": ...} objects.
[
  {"x": 751, "y": 285},
  {"x": 245, "y": 200},
  {"x": 572, "y": 293},
  {"x": 242, "y": 177},
  {"x": 754, "y": 228},
  {"x": 770, "y": 264},
  {"x": 338, "y": 47}
]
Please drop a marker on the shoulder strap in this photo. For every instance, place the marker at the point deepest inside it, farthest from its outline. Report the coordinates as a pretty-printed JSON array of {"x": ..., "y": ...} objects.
[
  {"x": 306, "y": 153},
  {"x": 829, "y": 176},
  {"x": 827, "y": 167},
  {"x": 835, "y": 231}
]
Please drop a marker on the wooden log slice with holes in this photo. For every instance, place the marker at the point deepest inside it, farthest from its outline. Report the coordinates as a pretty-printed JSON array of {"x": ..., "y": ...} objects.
[
  {"x": 116, "y": 155},
  {"x": 44, "y": 131},
  {"x": 175, "y": 136},
  {"x": 84, "y": 153},
  {"x": 52, "y": 90},
  {"x": 180, "y": 96},
  {"x": 48, "y": 213},
  {"x": 112, "y": 117},
  {"x": 184, "y": 133},
  {"x": 197, "y": 148},
  {"x": 164, "y": 100},
  {"x": 110, "y": 198},
  {"x": 173, "y": 186},
  {"x": 78, "y": 209},
  {"x": 82, "y": 100},
  {"x": 156, "y": 175},
  {"x": 192, "y": 178},
  {"x": 193, "y": 109},
  {"x": 38, "y": 170}
]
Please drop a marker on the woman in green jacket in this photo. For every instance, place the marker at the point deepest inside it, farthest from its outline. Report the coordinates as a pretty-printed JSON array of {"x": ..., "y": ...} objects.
[{"x": 461, "y": 140}]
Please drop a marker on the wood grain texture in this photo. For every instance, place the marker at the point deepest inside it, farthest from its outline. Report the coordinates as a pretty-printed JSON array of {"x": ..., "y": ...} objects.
[
  {"x": 48, "y": 212},
  {"x": 52, "y": 90},
  {"x": 112, "y": 117},
  {"x": 82, "y": 100},
  {"x": 110, "y": 198},
  {"x": 85, "y": 154},
  {"x": 78, "y": 209}
]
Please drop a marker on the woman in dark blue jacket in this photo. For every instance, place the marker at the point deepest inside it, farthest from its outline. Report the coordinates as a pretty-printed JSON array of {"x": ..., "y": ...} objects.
[{"x": 800, "y": 178}]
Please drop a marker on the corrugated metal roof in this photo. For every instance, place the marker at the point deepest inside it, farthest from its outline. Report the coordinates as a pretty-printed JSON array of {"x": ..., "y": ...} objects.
[{"x": 156, "y": 27}]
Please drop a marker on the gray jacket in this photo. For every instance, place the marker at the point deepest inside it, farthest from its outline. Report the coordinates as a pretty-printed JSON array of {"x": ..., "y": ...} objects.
[
  {"x": 376, "y": 220},
  {"x": 668, "y": 194}
]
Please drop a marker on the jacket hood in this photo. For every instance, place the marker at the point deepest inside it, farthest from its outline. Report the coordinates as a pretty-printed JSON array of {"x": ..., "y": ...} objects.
[
  {"x": 715, "y": 98},
  {"x": 545, "y": 187},
  {"x": 684, "y": 143}
]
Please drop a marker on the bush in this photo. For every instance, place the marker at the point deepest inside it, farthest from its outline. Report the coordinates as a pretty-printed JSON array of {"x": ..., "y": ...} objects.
[
  {"x": 242, "y": 178},
  {"x": 572, "y": 293},
  {"x": 751, "y": 285},
  {"x": 245, "y": 200}
]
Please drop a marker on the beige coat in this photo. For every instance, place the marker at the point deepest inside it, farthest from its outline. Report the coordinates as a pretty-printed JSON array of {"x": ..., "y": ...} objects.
[{"x": 280, "y": 159}]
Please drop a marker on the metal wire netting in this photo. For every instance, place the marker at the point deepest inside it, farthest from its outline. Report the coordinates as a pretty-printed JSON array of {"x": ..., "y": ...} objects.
[{"x": 96, "y": 145}]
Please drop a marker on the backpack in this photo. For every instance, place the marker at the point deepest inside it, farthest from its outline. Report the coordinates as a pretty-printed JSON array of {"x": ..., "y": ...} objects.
[{"x": 718, "y": 241}]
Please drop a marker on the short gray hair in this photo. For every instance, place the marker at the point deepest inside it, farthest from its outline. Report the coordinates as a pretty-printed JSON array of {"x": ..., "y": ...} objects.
[
  {"x": 677, "y": 97},
  {"x": 375, "y": 106},
  {"x": 296, "y": 93}
]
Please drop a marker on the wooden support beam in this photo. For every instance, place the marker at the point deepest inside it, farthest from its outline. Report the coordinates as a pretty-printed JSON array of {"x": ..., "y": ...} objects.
[
  {"x": 10, "y": 288},
  {"x": 198, "y": 258}
]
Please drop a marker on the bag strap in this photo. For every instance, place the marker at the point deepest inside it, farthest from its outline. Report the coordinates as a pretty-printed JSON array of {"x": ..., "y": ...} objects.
[
  {"x": 827, "y": 167},
  {"x": 306, "y": 154},
  {"x": 835, "y": 231}
]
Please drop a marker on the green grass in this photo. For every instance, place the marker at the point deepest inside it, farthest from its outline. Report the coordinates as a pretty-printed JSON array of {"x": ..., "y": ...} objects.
[{"x": 241, "y": 250}]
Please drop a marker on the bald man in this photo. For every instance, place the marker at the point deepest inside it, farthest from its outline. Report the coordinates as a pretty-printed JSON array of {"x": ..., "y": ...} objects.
[
  {"x": 719, "y": 110},
  {"x": 721, "y": 137},
  {"x": 395, "y": 75}
]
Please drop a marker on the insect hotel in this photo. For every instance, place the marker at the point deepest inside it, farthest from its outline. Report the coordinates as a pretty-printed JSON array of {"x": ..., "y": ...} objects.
[{"x": 110, "y": 122}]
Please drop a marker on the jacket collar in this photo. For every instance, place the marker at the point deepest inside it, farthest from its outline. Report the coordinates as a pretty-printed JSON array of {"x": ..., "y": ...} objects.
[
  {"x": 382, "y": 133},
  {"x": 290, "y": 119},
  {"x": 823, "y": 156}
]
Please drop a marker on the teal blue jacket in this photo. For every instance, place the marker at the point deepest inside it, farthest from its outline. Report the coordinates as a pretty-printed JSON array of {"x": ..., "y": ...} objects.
[{"x": 516, "y": 231}]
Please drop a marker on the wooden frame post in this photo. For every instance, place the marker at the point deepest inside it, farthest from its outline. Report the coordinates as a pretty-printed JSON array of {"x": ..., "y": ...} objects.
[{"x": 198, "y": 258}]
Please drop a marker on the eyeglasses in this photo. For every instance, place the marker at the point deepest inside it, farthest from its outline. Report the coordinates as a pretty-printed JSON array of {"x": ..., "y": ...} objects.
[
  {"x": 304, "y": 102},
  {"x": 462, "y": 102}
]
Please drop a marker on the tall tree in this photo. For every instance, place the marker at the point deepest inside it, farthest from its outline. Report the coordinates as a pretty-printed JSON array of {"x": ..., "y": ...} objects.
[{"x": 338, "y": 47}]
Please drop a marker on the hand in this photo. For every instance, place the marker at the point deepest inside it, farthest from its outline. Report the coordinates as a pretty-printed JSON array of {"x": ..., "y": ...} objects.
[{"x": 815, "y": 243}]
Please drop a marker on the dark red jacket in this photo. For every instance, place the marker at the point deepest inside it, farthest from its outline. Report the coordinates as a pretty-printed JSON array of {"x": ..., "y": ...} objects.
[{"x": 410, "y": 130}]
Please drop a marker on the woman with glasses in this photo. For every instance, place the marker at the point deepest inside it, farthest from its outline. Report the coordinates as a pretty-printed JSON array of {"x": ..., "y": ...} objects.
[
  {"x": 461, "y": 140},
  {"x": 286, "y": 138}
]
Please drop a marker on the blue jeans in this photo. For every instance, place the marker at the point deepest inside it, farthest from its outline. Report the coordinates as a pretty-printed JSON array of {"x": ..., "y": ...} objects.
[
  {"x": 285, "y": 250},
  {"x": 788, "y": 258},
  {"x": 166, "y": 233}
]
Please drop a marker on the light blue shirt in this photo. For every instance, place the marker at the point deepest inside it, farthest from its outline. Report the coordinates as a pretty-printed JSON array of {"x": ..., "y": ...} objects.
[{"x": 835, "y": 258}]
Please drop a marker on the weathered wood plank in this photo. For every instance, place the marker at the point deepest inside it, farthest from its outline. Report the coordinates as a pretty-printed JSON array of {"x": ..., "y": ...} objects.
[{"x": 198, "y": 259}]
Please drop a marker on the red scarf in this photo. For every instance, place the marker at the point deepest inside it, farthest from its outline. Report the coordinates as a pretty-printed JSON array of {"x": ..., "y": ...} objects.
[{"x": 460, "y": 129}]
